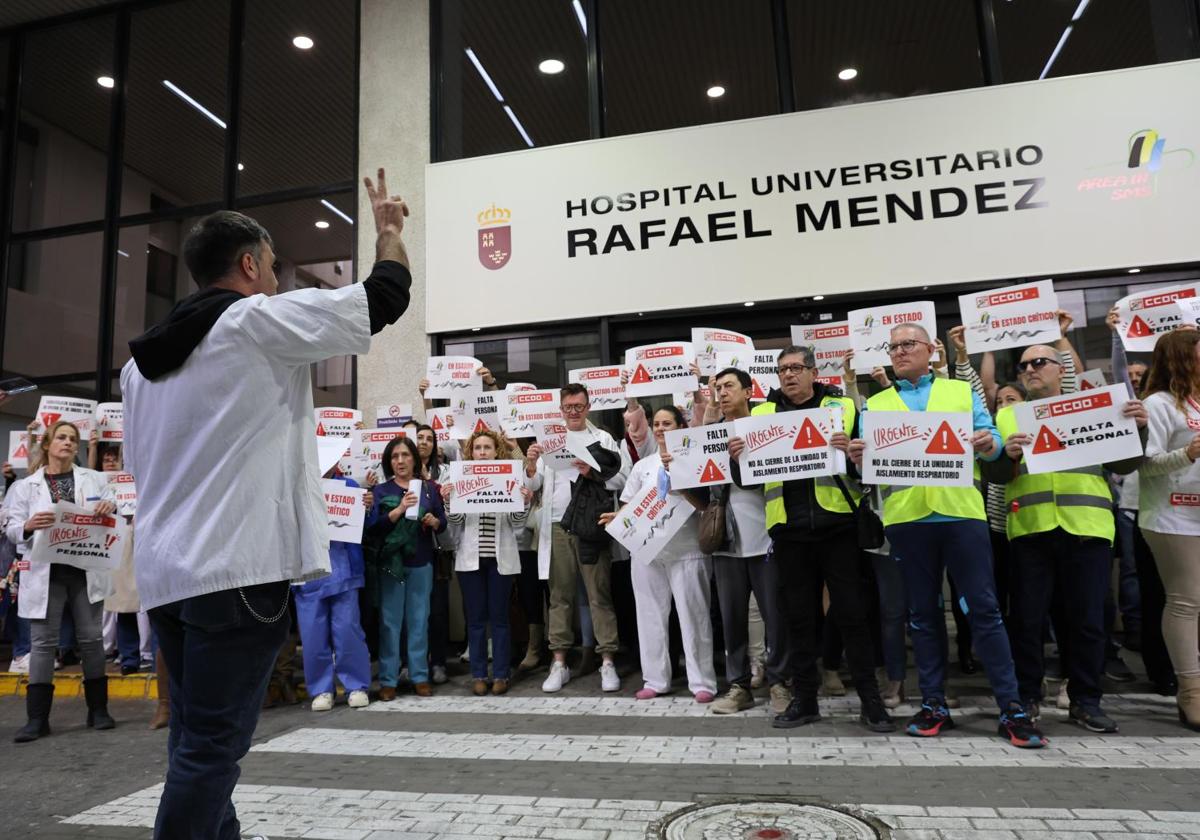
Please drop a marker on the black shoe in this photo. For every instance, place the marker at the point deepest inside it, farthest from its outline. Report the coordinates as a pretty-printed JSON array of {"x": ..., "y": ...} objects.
[
  {"x": 932, "y": 718},
  {"x": 801, "y": 711},
  {"x": 1020, "y": 730},
  {"x": 38, "y": 698},
  {"x": 968, "y": 665},
  {"x": 95, "y": 692},
  {"x": 1132, "y": 640},
  {"x": 1167, "y": 689},
  {"x": 875, "y": 716},
  {"x": 1093, "y": 719},
  {"x": 126, "y": 670},
  {"x": 1117, "y": 671}
]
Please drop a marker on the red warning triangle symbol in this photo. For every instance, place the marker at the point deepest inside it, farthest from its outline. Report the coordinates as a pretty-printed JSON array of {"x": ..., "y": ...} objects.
[
  {"x": 809, "y": 436},
  {"x": 480, "y": 425},
  {"x": 945, "y": 442},
  {"x": 757, "y": 392},
  {"x": 49, "y": 418},
  {"x": 1047, "y": 441},
  {"x": 436, "y": 424},
  {"x": 640, "y": 376},
  {"x": 711, "y": 472},
  {"x": 1085, "y": 385},
  {"x": 1139, "y": 328},
  {"x": 321, "y": 429},
  {"x": 22, "y": 452}
]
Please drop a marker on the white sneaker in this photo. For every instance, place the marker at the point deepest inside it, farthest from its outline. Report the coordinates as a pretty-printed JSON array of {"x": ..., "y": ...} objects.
[
  {"x": 19, "y": 665},
  {"x": 323, "y": 702},
  {"x": 609, "y": 681},
  {"x": 439, "y": 674},
  {"x": 358, "y": 699},
  {"x": 560, "y": 675}
]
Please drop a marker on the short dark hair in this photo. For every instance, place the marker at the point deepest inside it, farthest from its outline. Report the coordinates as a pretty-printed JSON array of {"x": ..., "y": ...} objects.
[
  {"x": 218, "y": 241},
  {"x": 575, "y": 388},
  {"x": 674, "y": 411},
  {"x": 805, "y": 353},
  {"x": 399, "y": 440},
  {"x": 743, "y": 378}
]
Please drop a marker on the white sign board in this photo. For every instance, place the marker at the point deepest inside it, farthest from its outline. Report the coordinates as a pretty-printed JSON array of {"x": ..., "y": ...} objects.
[
  {"x": 787, "y": 445},
  {"x": 918, "y": 448},
  {"x": 110, "y": 425},
  {"x": 18, "y": 450},
  {"x": 392, "y": 415},
  {"x": 1146, "y": 314},
  {"x": 685, "y": 401},
  {"x": 1093, "y": 378},
  {"x": 368, "y": 450},
  {"x": 476, "y": 411},
  {"x": 1189, "y": 308},
  {"x": 125, "y": 490},
  {"x": 337, "y": 422},
  {"x": 72, "y": 410},
  {"x": 332, "y": 450},
  {"x": 699, "y": 456},
  {"x": 829, "y": 342},
  {"x": 552, "y": 438},
  {"x": 441, "y": 420},
  {"x": 1078, "y": 430},
  {"x": 345, "y": 510},
  {"x": 660, "y": 369},
  {"x": 80, "y": 538},
  {"x": 760, "y": 364},
  {"x": 1013, "y": 316},
  {"x": 605, "y": 390},
  {"x": 452, "y": 376},
  {"x": 647, "y": 522},
  {"x": 522, "y": 410},
  {"x": 708, "y": 342},
  {"x": 871, "y": 330},
  {"x": 487, "y": 486}
]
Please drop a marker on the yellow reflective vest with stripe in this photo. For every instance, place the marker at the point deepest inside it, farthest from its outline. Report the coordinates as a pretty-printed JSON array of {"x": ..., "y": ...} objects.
[
  {"x": 909, "y": 504},
  {"x": 826, "y": 490},
  {"x": 1078, "y": 500}
]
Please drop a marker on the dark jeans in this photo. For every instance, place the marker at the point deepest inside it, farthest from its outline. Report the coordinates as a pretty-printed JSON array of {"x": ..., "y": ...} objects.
[
  {"x": 1128, "y": 588},
  {"x": 924, "y": 550},
  {"x": 1153, "y": 601},
  {"x": 1077, "y": 569},
  {"x": 219, "y": 658},
  {"x": 129, "y": 640},
  {"x": 533, "y": 592},
  {"x": 803, "y": 569},
  {"x": 486, "y": 593},
  {"x": 736, "y": 578}
]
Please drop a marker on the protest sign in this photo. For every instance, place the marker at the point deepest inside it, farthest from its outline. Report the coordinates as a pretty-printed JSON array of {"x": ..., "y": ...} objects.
[
  {"x": 450, "y": 376},
  {"x": 925, "y": 448},
  {"x": 70, "y": 409},
  {"x": 337, "y": 422},
  {"x": 699, "y": 456},
  {"x": 441, "y": 420},
  {"x": 80, "y": 538},
  {"x": 332, "y": 450},
  {"x": 871, "y": 330},
  {"x": 656, "y": 369},
  {"x": 393, "y": 415},
  {"x": 523, "y": 409},
  {"x": 577, "y": 445},
  {"x": 1077, "y": 430},
  {"x": 125, "y": 490},
  {"x": 708, "y": 342},
  {"x": 345, "y": 511},
  {"x": 1146, "y": 314},
  {"x": 605, "y": 390},
  {"x": 368, "y": 450},
  {"x": 18, "y": 450},
  {"x": 685, "y": 401},
  {"x": 787, "y": 445},
  {"x": 1014, "y": 316},
  {"x": 647, "y": 522},
  {"x": 487, "y": 486},
  {"x": 514, "y": 387},
  {"x": 110, "y": 425},
  {"x": 1093, "y": 378},
  {"x": 552, "y": 438},
  {"x": 760, "y": 364},
  {"x": 829, "y": 342},
  {"x": 1189, "y": 309},
  {"x": 473, "y": 412}
]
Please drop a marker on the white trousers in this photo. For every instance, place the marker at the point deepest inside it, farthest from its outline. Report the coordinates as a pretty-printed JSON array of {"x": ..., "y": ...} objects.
[{"x": 654, "y": 585}]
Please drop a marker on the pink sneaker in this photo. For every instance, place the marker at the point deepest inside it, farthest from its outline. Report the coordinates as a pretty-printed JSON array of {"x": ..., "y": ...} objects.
[
  {"x": 646, "y": 694},
  {"x": 704, "y": 696}
]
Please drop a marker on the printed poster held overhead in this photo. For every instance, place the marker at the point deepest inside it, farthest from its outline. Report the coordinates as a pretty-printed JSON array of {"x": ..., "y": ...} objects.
[
  {"x": 72, "y": 410},
  {"x": 125, "y": 492},
  {"x": 368, "y": 451},
  {"x": 918, "y": 448},
  {"x": 871, "y": 330},
  {"x": 830, "y": 342},
  {"x": 656, "y": 369},
  {"x": 699, "y": 456},
  {"x": 552, "y": 438},
  {"x": 605, "y": 390},
  {"x": 477, "y": 411},
  {"x": 392, "y": 415},
  {"x": 110, "y": 425},
  {"x": 1013, "y": 316},
  {"x": 708, "y": 342},
  {"x": 18, "y": 450},
  {"x": 1146, "y": 314},
  {"x": 1078, "y": 430},
  {"x": 788, "y": 445},
  {"x": 1090, "y": 379},
  {"x": 441, "y": 421},
  {"x": 524, "y": 409},
  {"x": 760, "y": 364},
  {"x": 451, "y": 376}
]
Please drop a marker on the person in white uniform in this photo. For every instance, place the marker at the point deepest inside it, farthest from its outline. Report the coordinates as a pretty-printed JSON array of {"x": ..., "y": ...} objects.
[{"x": 220, "y": 437}]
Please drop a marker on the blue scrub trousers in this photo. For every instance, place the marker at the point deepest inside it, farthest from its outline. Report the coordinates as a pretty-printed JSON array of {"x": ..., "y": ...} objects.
[{"x": 333, "y": 641}]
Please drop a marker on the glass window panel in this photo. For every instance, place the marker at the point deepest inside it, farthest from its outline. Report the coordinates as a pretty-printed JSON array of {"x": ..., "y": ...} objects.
[
  {"x": 174, "y": 151},
  {"x": 900, "y": 48},
  {"x": 151, "y": 278},
  {"x": 298, "y": 105},
  {"x": 508, "y": 44},
  {"x": 660, "y": 60},
  {"x": 63, "y": 139},
  {"x": 19, "y": 411}
]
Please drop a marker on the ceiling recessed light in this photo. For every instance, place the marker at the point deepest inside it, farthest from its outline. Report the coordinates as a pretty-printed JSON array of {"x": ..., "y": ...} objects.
[
  {"x": 105, "y": 81},
  {"x": 322, "y": 224},
  {"x": 475, "y": 329},
  {"x": 1135, "y": 271},
  {"x": 847, "y": 74},
  {"x": 749, "y": 303},
  {"x": 241, "y": 167},
  {"x": 715, "y": 91},
  {"x": 552, "y": 66},
  {"x": 818, "y": 297},
  {"x": 302, "y": 42}
]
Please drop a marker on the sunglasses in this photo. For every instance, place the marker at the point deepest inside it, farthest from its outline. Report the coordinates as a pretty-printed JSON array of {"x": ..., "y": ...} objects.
[{"x": 1037, "y": 364}]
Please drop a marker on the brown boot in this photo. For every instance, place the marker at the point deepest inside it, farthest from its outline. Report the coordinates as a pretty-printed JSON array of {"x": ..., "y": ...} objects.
[
  {"x": 500, "y": 687},
  {"x": 1188, "y": 700},
  {"x": 424, "y": 689},
  {"x": 533, "y": 654},
  {"x": 162, "y": 714},
  {"x": 480, "y": 688}
]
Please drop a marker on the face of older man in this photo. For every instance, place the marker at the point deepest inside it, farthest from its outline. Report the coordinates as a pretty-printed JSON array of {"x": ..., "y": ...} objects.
[
  {"x": 910, "y": 350},
  {"x": 1040, "y": 371}
]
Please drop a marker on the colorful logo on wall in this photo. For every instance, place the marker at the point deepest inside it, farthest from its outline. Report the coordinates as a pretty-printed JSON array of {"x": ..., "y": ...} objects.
[
  {"x": 494, "y": 237},
  {"x": 1146, "y": 149},
  {"x": 1147, "y": 159}
]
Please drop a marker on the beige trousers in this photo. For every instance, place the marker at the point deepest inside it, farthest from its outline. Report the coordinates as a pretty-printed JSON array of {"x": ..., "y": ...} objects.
[
  {"x": 1178, "y": 559},
  {"x": 597, "y": 580}
]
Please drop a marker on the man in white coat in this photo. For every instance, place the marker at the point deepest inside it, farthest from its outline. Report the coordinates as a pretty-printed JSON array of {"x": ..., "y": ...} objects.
[{"x": 219, "y": 434}]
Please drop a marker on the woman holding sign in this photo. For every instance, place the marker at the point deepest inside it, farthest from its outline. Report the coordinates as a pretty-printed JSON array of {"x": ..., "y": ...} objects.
[
  {"x": 1169, "y": 501},
  {"x": 49, "y": 588},
  {"x": 679, "y": 570}
]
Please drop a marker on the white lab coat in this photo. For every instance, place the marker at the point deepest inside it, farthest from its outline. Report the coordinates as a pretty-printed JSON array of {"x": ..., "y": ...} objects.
[
  {"x": 31, "y": 495},
  {"x": 466, "y": 555},
  {"x": 224, "y": 448}
]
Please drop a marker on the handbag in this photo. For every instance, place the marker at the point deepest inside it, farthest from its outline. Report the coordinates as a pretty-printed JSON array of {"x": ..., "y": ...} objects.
[
  {"x": 714, "y": 535},
  {"x": 866, "y": 521}
]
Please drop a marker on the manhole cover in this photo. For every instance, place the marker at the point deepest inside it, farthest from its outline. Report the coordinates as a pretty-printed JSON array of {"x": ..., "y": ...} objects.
[{"x": 767, "y": 821}]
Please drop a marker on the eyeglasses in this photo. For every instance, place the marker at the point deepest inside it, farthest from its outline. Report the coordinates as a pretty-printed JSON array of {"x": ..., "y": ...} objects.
[
  {"x": 574, "y": 409},
  {"x": 794, "y": 369},
  {"x": 906, "y": 347},
  {"x": 1037, "y": 364}
]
